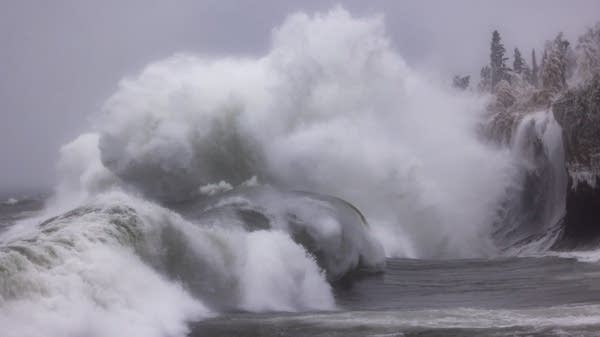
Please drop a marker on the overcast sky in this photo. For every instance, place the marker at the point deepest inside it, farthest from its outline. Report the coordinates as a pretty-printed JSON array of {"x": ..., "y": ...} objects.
[{"x": 59, "y": 60}]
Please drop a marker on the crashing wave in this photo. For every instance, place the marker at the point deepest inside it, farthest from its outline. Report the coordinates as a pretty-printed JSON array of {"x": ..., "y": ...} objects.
[
  {"x": 332, "y": 230},
  {"x": 113, "y": 257},
  {"x": 331, "y": 108},
  {"x": 530, "y": 219},
  {"x": 162, "y": 203},
  {"x": 82, "y": 267}
]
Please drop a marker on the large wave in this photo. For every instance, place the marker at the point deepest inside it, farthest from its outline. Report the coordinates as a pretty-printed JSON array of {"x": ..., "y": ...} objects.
[
  {"x": 122, "y": 262},
  {"x": 214, "y": 184},
  {"x": 331, "y": 108}
]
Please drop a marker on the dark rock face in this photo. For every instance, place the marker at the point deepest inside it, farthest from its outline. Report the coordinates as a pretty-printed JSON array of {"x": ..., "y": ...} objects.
[
  {"x": 578, "y": 113},
  {"x": 582, "y": 221}
]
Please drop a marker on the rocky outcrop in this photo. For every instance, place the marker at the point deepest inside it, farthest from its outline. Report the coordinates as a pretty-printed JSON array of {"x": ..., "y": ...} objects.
[
  {"x": 573, "y": 172},
  {"x": 578, "y": 113}
]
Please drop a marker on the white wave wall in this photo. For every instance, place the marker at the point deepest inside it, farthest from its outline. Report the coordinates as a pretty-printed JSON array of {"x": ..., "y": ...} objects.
[
  {"x": 121, "y": 266},
  {"x": 331, "y": 108},
  {"x": 79, "y": 276}
]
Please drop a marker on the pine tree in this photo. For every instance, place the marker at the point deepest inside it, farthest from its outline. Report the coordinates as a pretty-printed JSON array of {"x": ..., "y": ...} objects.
[
  {"x": 534, "y": 69},
  {"x": 461, "y": 82},
  {"x": 544, "y": 59},
  {"x": 497, "y": 59},
  {"x": 518, "y": 63},
  {"x": 485, "y": 83}
]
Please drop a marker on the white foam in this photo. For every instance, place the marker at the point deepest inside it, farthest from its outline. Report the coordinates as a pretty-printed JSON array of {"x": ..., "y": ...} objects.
[
  {"x": 331, "y": 108},
  {"x": 590, "y": 256},
  {"x": 80, "y": 279},
  {"x": 278, "y": 275},
  {"x": 212, "y": 189},
  {"x": 100, "y": 271},
  {"x": 11, "y": 201},
  {"x": 458, "y": 318}
]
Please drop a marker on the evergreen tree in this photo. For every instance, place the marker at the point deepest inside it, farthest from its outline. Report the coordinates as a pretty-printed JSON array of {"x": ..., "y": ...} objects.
[
  {"x": 497, "y": 60},
  {"x": 534, "y": 69},
  {"x": 518, "y": 62},
  {"x": 544, "y": 58},
  {"x": 461, "y": 82},
  {"x": 485, "y": 83}
]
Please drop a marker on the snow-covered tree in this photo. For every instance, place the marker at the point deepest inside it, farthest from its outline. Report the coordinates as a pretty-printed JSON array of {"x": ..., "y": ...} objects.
[
  {"x": 520, "y": 67},
  {"x": 554, "y": 64},
  {"x": 534, "y": 70},
  {"x": 497, "y": 59},
  {"x": 485, "y": 83},
  {"x": 588, "y": 53},
  {"x": 518, "y": 62}
]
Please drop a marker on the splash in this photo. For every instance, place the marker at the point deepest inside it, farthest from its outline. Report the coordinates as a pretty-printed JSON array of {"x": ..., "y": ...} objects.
[
  {"x": 530, "y": 220},
  {"x": 124, "y": 266},
  {"x": 330, "y": 121},
  {"x": 331, "y": 108}
]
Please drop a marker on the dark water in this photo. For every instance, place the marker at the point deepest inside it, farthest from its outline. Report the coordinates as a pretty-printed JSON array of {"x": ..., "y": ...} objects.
[
  {"x": 15, "y": 208},
  {"x": 524, "y": 296},
  {"x": 545, "y": 296}
]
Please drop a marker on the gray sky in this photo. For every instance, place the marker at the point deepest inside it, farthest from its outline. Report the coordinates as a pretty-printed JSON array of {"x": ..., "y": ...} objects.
[{"x": 59, "y": 60}]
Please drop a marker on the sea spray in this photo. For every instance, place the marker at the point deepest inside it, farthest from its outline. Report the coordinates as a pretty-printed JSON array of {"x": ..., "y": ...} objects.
[
  {"x": 331, "y": 108},
  {"x": 530, "y": 219}
]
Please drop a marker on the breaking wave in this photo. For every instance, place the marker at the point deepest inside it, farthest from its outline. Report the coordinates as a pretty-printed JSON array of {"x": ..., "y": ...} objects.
[
  {"x": 104, "y": 266},
  {"x": 332, "y": 108},
  {"x": 215, "y": 184}
]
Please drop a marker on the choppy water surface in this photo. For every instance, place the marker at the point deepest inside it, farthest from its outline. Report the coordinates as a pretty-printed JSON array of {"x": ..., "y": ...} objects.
[{"x": 537, "y": 296}]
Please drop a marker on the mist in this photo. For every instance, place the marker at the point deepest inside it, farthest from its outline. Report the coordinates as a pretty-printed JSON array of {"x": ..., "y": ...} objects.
[{"x": 60, "y": 61}]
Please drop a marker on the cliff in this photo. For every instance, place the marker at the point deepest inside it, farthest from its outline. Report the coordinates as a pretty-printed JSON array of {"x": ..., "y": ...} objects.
[{"x": 578, "y": 113}]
